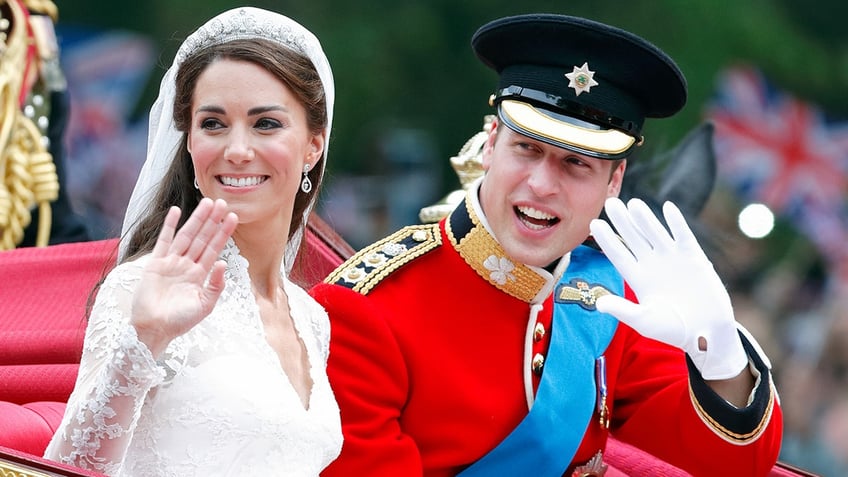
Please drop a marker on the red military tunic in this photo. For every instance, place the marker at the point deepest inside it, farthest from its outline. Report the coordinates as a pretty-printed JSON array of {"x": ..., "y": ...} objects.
[{"x": 432, "y": 355}]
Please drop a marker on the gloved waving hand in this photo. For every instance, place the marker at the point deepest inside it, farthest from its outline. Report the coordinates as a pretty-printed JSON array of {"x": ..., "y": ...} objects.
[{"x": 682, "y": 301}]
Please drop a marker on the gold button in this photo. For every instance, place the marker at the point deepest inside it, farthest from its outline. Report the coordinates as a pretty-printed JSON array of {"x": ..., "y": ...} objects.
[
  {"x": 538, "y": 364},
  {"x": 538, "y": 332}
]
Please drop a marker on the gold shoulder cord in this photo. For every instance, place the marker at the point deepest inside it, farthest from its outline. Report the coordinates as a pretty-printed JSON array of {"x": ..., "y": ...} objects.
[
  {"x": 27, "y": 172},
  {"x": 468, "y": 165},
  {"x": 43, "y": 7}
]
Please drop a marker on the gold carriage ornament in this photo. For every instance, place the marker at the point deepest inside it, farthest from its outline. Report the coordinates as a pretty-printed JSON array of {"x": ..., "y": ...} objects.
[
  {"x": 468, "y": 165},
  {"x": 29, "y": 70}
]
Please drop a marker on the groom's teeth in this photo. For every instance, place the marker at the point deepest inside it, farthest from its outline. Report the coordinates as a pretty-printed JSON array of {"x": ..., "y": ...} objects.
[{"x": 536, "y": 214}]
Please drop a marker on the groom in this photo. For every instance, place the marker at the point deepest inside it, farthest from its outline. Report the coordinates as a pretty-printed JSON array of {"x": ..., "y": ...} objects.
[{"x": 496, "y": 343}]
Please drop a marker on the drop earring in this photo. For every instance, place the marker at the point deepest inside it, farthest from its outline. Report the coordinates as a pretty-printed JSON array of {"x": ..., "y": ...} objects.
[
  {"x": 306, "y": 184},
  {"x": 196, "y": 185}
]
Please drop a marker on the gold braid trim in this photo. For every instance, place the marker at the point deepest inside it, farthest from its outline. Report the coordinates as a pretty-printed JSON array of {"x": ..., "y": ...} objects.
[
  {"x": 727, "y": 434},
  {"x": 368, "y": 267},
  {"x": 8, "y": 469},
  {"x": 27, "y": 173},
  {"x": 486, "y": 257}
]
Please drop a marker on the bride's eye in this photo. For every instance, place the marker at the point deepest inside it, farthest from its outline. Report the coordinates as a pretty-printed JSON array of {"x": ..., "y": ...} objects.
[
  {"x": 211, "y": 123},
  {"x": 268, "y": 123}
]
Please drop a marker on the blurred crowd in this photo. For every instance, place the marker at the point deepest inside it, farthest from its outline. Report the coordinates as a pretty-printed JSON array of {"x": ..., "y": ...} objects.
[{"x": 799, "y": 315}]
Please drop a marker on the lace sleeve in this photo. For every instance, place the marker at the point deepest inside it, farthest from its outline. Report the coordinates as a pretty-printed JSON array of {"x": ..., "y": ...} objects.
[{"x": 116, "y": 372}]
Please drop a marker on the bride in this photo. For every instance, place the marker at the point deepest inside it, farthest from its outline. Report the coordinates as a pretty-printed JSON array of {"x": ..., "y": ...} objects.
[{"x": 201, "y": 357}]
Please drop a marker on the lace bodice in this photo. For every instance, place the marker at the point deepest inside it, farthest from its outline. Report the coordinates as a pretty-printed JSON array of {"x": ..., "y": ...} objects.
[{"x": 217, "y": 402}]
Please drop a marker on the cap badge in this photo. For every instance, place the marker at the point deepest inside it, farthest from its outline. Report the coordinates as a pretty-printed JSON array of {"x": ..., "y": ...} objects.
[{"x": 581, "y": 79}]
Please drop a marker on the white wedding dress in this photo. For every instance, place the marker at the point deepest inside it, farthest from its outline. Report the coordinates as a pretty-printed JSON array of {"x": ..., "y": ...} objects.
[{"x": 217, "y": 402}]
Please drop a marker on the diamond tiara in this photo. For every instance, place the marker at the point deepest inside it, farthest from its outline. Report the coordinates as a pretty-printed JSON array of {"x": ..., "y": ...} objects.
[{"x": 245, "y": 23}]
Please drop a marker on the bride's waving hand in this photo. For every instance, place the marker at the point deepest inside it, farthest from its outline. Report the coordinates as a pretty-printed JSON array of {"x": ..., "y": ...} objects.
[{"x": 183, "y": 278}]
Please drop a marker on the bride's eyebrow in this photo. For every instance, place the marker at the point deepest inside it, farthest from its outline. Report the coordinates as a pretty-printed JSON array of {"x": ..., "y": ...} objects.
[
  {"x": 211, "y": 109},
  {"x": 250, "y": 112},
  {"x": 264, "y": 109}
]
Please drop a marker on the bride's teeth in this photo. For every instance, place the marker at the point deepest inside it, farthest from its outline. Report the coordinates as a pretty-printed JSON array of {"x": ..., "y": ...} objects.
[
  {"x": 535, "y": 214},
  {"x": 241, "y": 181}
]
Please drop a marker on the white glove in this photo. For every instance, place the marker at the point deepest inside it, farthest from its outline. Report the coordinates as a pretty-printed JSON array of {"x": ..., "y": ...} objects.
[{"x": 681, "y": 297}]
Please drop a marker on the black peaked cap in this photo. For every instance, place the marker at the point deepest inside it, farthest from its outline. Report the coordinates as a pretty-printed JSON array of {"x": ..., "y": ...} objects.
[{"x": 533, "y": 53}]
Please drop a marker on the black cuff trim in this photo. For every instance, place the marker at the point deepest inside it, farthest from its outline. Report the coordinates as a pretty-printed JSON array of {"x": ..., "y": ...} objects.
[{"x": 739, "y": 425}]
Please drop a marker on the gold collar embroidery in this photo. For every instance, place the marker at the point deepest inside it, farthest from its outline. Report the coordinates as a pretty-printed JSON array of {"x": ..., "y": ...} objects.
[{"x": 484, "y": 254}]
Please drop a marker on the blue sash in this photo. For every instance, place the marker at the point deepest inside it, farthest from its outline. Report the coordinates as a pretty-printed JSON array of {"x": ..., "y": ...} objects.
[{"x": 545, "y": 441}]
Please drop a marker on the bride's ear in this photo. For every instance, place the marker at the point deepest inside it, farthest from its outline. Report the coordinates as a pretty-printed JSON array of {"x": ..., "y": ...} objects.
[{"x": 316, "y": 148}]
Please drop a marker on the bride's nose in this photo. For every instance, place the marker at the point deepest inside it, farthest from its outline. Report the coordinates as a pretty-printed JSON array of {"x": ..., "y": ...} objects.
[{"x": 239, "y": 149}]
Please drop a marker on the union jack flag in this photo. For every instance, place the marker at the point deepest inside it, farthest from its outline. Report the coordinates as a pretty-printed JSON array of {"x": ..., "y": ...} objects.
[{"x": 775, "y": 149}]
